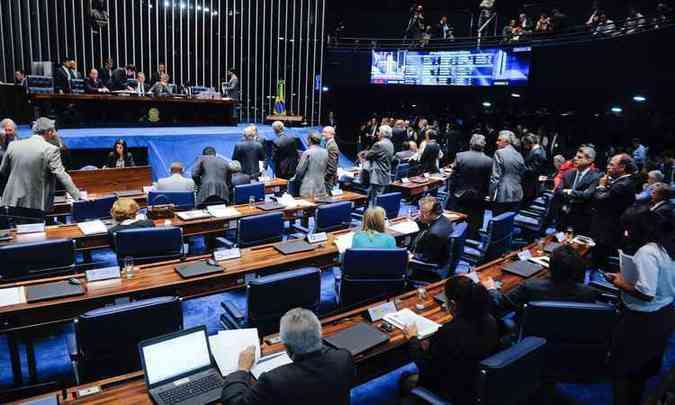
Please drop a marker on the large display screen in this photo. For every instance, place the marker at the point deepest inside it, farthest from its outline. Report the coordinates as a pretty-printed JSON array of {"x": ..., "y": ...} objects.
[{"x": 476, "y": 67}]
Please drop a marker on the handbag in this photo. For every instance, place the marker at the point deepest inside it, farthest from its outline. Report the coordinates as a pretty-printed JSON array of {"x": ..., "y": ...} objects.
[{"x": 161, "y": 211}]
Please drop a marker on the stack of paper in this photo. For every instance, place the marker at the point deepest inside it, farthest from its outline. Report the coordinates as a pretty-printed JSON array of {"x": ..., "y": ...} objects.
[
  {"x": 223, "y": 211},
  {"x": 12, "y": 296},
  {"x": 92, "y": 227},
  {"x": 269, "y": 363},
  {"x": 344, "y": 241},
  {"x": 405, "y": 227},
  {"x": 425, "y": 327},
  {"x": 628, "y": 268},
  {"x": 192, "y": 215}
]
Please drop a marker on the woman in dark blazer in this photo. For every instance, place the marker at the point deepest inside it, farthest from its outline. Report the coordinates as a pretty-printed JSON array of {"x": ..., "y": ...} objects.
[{"x": 119, "y": 156}]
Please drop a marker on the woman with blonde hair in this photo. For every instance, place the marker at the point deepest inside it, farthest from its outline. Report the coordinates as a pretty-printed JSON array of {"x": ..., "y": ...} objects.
[
  {"x": 372, "y": 234},
  {"x": 125, "y": 216}
]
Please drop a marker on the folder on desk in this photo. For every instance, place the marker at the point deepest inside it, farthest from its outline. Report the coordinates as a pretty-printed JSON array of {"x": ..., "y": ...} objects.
[
  {"x": 523, "y": 268},
  {"x": 290, "y": 247},
  {"x": 197, "y": 269},
  {"x": 270, "y": 206},
  {"x": 59, "y": 289},
  {"x": 357, "y": 339}
]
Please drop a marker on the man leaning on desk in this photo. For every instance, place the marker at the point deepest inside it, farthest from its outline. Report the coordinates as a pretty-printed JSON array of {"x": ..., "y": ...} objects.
[{"x": 317, "y": 375}]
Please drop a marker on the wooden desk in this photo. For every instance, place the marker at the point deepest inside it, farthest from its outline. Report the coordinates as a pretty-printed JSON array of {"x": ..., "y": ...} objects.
[
  {"x": 97, "y": 110},
  {"x": 377, "y": 361},
  {"x": 108, "y": 181},
  {"x": 413, "y": 189}
]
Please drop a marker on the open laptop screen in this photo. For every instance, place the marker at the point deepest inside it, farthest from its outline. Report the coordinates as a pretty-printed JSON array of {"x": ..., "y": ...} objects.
[{"x": 170, "y": 358}]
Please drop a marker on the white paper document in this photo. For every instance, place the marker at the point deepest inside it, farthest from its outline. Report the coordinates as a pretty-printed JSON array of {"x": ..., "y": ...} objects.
[
  {"x": 12, "y": 296},
  {"x": 344, "y": 241},
  {"x": 425, "y": 327},
  {"x": 628, "y": 268},
  {"x": 227, "y": 345},
  {"x": 191, "y": 215},
  {"x": 223, "y": 211},
  {"x": 405, "y": 227},
  {"x": 92, "y": 227},
  {"x": 269, "y": 363}
]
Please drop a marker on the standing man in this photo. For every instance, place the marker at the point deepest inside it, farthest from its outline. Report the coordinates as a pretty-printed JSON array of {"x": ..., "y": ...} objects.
[
  {"x": 468, "y": 183},
  {"x": 105, "y": 74},
  {"x": 250, "y": 153},
  {"x": 576, "y": 192},
  {"x": 379, "y": 158},
  {"x": 7, "y": 135},
  {"x": 19, "y": 77},
  {"x": 284, "y": 152},
  {"x": 639, "y": 153},
  {"x": 31, "y": 167},
  {"x": 157, "y": 76},
  {"x": 399, "y": 135},
  {"x": 333, "y": 156},
  {"x": 508, "y": 167},
  {"x": 615, "y": 193},
  {"x": 175, "y": 182},
  {"x": 63, "y": 76},
  {"x": 231, "y": 88},
  {"x": 535, "y": 164}
]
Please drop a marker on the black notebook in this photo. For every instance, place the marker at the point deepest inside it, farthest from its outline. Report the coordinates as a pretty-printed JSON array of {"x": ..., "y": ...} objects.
[
  {"x": 293, "y": 246},
  {"x": 357, "y": 339},
  {"x": 59, "y": 289},
  {"x": 197, "y": 269},
  {"x": 523, "y": 268}
]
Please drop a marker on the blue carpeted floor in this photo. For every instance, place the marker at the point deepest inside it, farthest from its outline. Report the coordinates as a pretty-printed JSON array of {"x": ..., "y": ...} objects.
[{"x": 52, "y": 347}]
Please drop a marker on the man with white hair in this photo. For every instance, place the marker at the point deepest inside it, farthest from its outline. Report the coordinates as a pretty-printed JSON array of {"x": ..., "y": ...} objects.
[
  {"x": 175, "y": 182},
  {"x": 7, "y": 135},
  {"x": 250, "y": 153},
  {"x": 333, "y": 156},
  {"x": 508, "y": 167},
  {"x": 31, "y": 167},
  {"x": 284, "y": 152},
  {"x": 377, "y": 161},
  {"x": 317, "y": 375}
]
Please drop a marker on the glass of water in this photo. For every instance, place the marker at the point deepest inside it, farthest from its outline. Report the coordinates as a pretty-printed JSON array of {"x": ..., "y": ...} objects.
[
  {"x": 251, "y": 201},
  {"x": 129, "y": 266}
]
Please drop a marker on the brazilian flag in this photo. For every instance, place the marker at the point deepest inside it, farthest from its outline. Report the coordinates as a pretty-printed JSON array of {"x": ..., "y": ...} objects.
[{"x": 280, "y": 100}]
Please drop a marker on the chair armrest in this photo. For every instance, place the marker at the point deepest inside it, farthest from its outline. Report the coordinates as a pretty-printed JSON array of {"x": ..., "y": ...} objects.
[
  {"x": 220, "y": 241},
  {"x": 423, "y": 264},
  {"x": 301, "y": 229},
  {"x": 232, "y": 310},
  {"x": 531, "y": 214},
  {"x": 428, "y": 396}
]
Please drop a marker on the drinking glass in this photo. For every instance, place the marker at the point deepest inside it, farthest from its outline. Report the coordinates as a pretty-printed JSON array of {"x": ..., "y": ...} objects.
[{"x": 129, "y": 266}]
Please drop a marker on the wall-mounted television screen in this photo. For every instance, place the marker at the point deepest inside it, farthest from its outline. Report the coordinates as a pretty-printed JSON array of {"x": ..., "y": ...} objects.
[{"x": 475, "y": 67}]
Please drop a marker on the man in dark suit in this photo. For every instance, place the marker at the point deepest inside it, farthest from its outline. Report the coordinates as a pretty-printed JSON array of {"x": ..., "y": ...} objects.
[
  {"x": 431, "y": 243},
  {"x": 333, "y": 157},
  {"x": 317, "y": 375},
  {"x": 615, "y": 193},
  {"x": 249, "y": 153},
  {"x": 211, "y": 174},
  {"x": 576, "y": 192},
  {"x": 468, "y": 183},
  {"x": 93, "y": 85},
  {"x": 399, "y": 136},
  {"x": 284, "y": 152},
  {"x": 157, "y": 76},
  {"x": 63, "y": 76},
  {"x": 535, "y": 164},
  {"x": 231, "y": 88},
  {"x": 431, "y": 154},
  {"x": 119, "y": 79},
  {"x": 105, "y": 73},
  {"x": 660, "y": 202}
]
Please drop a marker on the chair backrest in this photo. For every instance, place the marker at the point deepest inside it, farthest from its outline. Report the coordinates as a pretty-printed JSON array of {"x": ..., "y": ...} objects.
[
  {"x": 499, "y": 235},
  {"x": 243, "y": 192},
  {"x": 183, "y": 200},
  {"x": 332, "y": 217},
  {"x": 403, "y": 170},
  {"x": 258, "y": 229},
  {"x": 146, "y": 245},
  {"x": 512, "y": 375},
  {"x": 368, "y": 274},
  {"x": 456, "y": 241},
  {"x": 20, "y": 215},
  {"x": 578, "y": 336},
  {"x": 107, "y": 338},
  {"x": 390, "y": 202},
  {"x": 39, "y": 84},
  {"x": 77, "y": 86},
  {"x": 93, "y": 209},
  {"x": 36, "y": 259},
  {"x": 270, "y": 297}
]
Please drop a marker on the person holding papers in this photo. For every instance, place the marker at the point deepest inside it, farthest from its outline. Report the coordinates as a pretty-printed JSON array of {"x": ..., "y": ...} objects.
[
  {"x": 647, "y": 290},
  {"x": 317, "y": 375},
  {"x": 448, "y": 361},
  {"x": 125, "y": 216},
  {"x": 372, "y": 234}
]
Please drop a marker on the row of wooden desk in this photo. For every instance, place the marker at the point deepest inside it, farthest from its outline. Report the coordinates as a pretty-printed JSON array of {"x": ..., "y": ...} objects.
[
  {"x": 130, "y": 388},
  {"x": 413, "y": 187}
]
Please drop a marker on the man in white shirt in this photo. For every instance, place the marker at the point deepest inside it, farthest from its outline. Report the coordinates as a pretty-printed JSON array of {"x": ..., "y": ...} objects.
[{"x": 175, "y": 182}]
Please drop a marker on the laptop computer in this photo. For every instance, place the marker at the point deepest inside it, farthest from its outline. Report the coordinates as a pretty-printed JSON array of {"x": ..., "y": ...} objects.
[
  {"x": 293, "y": 246},
  {"x": 179, "y": 368},
  {"x": 357, "y": 339},
  {"x": 523, "y": 268}
]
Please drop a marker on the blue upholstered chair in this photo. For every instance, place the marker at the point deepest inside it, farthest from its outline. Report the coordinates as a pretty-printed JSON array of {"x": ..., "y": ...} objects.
[
  {"x": 147, "y": 245},
  {"x": 494, "y": 242},
  {"x": 106, "y": 339},
  {"x": 532, "y": 221},
  {"x": 243, "y": 192},
  {"x": 402, "y": 170},
  {"x": 578, "y": 336},
  {"x": 268, "y": 298},
  {"x": 95, "y": 209},
  {"x": 183, "y": 200},
  {"x": 390, "y": 202},
  {"x": 329, "y": 218},
  {"x": 508, "y": 377},
  {"x": 20, "y": 215},
  {"x": 369, "y": 274},
  {"x": 256, "y": 230},
  {"x": 36, "y": 259},
  {"x": 437, "y": 271}
]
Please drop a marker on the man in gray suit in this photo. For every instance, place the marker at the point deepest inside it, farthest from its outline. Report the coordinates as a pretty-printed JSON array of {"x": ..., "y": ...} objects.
[
  {"x": 211, "y": 174},
  {"x": 378, "y": 161},
  {"x": 506, "y": 189},
  {"x": 333, "y": 155},
  {"x": 312, "y": 168},
  {"x": 175, "y": 182},
  {"x": 31, "y": 167}
]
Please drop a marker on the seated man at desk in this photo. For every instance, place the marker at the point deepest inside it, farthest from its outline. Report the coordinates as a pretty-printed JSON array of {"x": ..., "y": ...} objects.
[
  {"x": 92, "y": 85},
  {"x": 162, "y": 87},
  {"x": 431, "y": 243},
  {"x": 125, "y": 216},
  {"x": 317, "y": 375},
  {"x": 175, "y": 182}
]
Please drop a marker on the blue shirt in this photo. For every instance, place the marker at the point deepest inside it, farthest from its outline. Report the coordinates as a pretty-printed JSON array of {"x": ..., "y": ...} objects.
[
  {"x": 656, "y": 278},
  {"x": 373, "y": 240}
]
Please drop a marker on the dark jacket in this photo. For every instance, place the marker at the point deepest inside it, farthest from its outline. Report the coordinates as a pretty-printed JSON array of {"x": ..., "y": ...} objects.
[
  {"x": 450, "y": 366},
  {"x": 380, "y": 156},
  {"x": 609, "y": 203},
  {"x": 431, "y": 243},
  {"x": 211, "y": 175},
  {"x": 544, "y": 290},
  {"x": 111, "y": 161},
  {"x": 62, "y": 77},
  {"x": 323, "y": 377},
  {"x": 91, "y": 86},
  {"x": 471, "y": 176},
  {"x": 249, "y": 153},
  {"x": 118, "y": 81},
  {"x": 576, "y": 208},
  {"x": 429, "y": 158},
  {"x": 285, "y": 156},
  {"x": 398, "y": 137},
  {"x": 143, "y": 223},
  {"x": 665, "y": 209},
  {"x": 535, "y": 166}
]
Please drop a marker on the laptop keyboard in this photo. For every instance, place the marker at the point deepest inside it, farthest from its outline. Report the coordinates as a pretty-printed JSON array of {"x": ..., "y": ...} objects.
[{"x": 191, "y": 390}]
